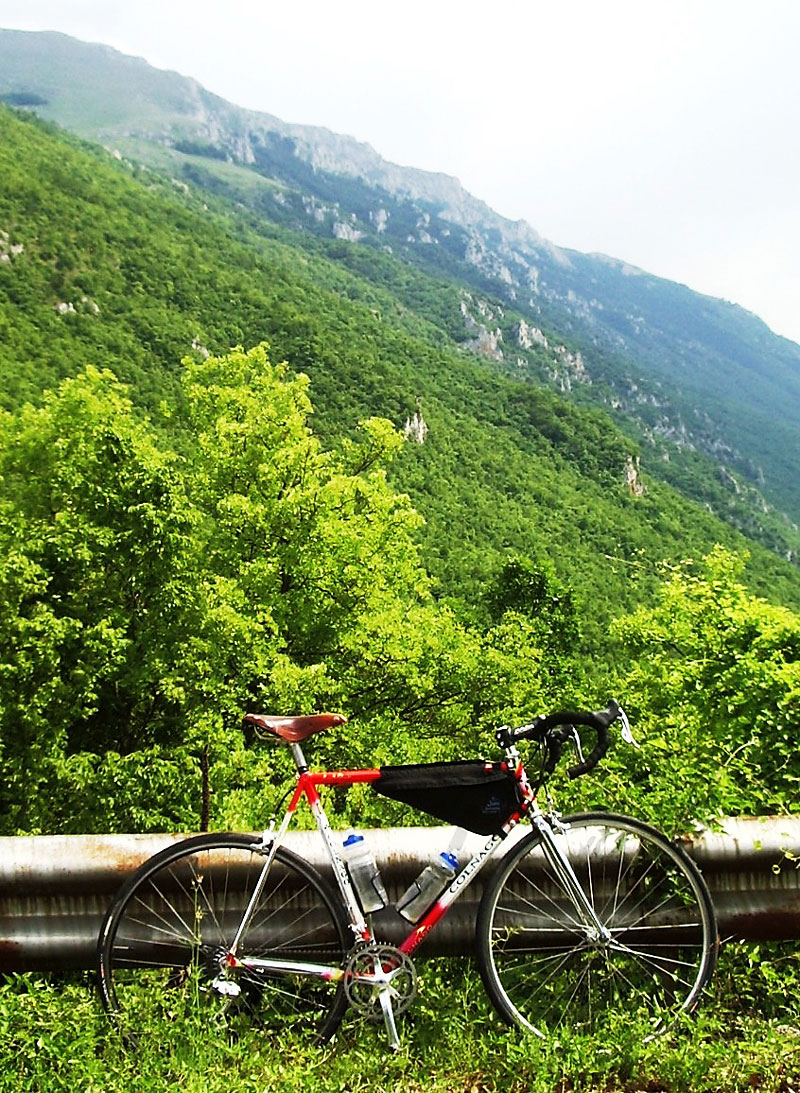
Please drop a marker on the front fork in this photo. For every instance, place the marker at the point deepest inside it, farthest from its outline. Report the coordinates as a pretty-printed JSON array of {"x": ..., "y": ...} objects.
[
  {"x": 560, "y": 864},
  {"x": 562, "y": 867}
]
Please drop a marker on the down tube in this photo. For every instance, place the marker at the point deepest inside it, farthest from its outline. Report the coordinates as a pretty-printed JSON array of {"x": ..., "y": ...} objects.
[{"x": 451, "y": 894}]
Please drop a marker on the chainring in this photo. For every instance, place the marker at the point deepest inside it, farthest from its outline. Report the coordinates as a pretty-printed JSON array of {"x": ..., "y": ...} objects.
[{"x": 372, "y": 969}]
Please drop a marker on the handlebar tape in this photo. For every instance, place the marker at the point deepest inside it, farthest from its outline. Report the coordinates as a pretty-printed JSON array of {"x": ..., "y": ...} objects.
[{"x": 600, "y": 721}]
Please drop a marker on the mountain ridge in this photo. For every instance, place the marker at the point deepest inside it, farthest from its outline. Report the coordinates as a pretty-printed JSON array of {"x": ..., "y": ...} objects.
[{"x": 680, "y": 370}]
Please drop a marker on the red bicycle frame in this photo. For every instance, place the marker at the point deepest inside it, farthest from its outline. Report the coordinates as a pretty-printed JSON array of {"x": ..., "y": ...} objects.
[{"x": 308, "y": 784}]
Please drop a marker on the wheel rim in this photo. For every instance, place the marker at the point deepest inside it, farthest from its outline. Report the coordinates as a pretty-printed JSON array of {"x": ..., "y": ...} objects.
[
  {"x": 164, "y": 954},
  {"x": 548, "y": 965}
]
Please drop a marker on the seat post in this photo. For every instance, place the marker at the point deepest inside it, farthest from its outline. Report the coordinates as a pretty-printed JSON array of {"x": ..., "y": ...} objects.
[{"x": 299, "y": 758}]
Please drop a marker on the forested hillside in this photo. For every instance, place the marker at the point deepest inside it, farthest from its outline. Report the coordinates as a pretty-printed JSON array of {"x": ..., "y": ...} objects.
[{"x": 170, "y": 550}]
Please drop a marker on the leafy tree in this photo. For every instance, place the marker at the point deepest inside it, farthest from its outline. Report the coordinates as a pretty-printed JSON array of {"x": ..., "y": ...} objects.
[
  {"x": 715, "y": 691},
  {"x": 148, "y": 597},
  {"x": 94, "y": 588},
  {"x": 315, "y": 550},
  {"x": 535, "y": 591},
  {"x": 315, "y": 543}
]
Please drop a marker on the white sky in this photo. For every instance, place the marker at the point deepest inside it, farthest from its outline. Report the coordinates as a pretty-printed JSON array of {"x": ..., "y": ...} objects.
[{"x": 662, "y": 132}]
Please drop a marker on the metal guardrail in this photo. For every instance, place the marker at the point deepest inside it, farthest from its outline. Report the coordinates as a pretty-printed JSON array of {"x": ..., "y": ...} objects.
[{"x": 54, "y": 889}]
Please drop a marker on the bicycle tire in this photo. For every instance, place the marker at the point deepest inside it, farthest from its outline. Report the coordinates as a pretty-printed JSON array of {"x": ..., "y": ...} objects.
[
  {"x": 540, "y": 966},
  {"x": 161, "y": 940}
]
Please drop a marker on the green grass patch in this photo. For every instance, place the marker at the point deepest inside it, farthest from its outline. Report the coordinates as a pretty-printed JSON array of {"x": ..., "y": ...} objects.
[{"x": 53, "y": 1036}]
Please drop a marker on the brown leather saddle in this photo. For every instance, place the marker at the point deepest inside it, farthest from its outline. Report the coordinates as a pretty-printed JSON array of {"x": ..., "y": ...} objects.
[{"x": 294, "y": 729}]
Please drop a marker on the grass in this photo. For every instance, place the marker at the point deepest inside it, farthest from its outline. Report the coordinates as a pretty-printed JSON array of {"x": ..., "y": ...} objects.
[{"x": 53, "y": 1036}]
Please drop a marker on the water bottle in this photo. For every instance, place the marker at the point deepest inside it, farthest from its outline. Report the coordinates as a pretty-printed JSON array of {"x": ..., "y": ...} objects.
[
  {"x": 364, "y": 874},
  {"x": 428, "y": 886}
]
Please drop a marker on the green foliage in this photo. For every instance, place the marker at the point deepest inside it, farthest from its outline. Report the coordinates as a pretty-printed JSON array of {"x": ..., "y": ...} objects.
[
  {"x": 715, "y": 690},
  {"x": 536, "y": 592},
  {"x": 316, "y": 544},
  {"x": 93, "y": 588}
]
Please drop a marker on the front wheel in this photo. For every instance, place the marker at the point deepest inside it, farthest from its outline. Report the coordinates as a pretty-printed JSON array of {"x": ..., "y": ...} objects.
[
  {"x": 163, "y": 944},
  {"x": 545, "y": 964}
]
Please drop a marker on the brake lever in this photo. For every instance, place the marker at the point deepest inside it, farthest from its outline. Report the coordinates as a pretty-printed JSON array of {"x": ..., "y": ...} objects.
[
  {"x": 626, "y": 733},
  {"x": 554, "y": 742},
  {"x": 576, "y": 743}
]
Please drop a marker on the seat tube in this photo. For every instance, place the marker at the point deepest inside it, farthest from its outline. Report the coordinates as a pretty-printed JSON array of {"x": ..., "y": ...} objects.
[{"x": 306, "y": 785}]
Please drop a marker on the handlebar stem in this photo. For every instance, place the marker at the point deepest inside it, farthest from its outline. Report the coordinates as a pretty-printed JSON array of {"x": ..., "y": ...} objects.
[{"x": 504, "y": 737}]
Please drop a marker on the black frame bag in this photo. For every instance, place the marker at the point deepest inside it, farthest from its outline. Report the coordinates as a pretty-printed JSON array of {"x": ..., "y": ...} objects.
[{"x": 469, "y": 793}]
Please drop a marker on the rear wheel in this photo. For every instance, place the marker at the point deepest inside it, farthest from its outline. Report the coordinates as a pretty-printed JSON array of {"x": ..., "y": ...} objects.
[
  {"x": 543, "y": 964},
  {"x": 163, "y": 942}
]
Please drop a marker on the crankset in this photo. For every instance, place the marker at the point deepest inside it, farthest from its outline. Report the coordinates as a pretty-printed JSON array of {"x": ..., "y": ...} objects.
[{"x": 377, "y": 973}]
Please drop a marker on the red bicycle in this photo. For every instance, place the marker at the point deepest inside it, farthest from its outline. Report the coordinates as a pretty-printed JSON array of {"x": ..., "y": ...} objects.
[{"x": 584, "y": 916}]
